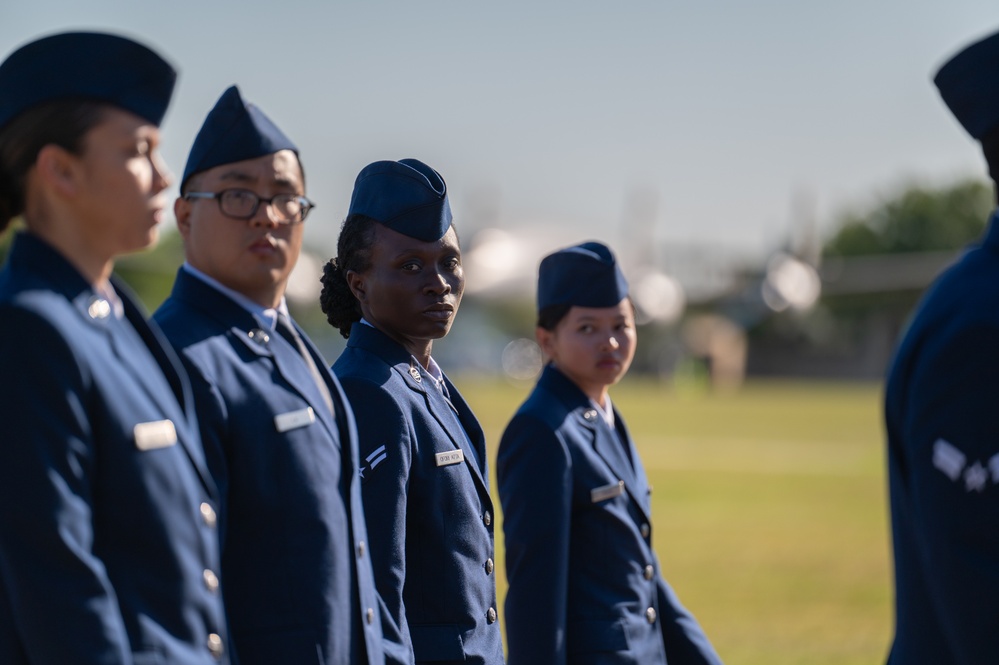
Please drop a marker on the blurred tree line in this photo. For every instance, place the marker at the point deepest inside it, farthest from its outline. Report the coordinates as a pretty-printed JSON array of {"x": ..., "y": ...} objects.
[
  {"x": 917, "y": 219},
  {"x": 874, "y": 267}
]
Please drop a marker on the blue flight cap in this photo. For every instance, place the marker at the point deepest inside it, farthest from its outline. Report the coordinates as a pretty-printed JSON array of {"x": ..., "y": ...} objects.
[
  {"x": 406, "y": 196},
  {"x": 969, "y": 85},
  {"x": 233, "y": 131},
  {"x": 586, "y": 275},
  {"x": 87, "y": 66}
]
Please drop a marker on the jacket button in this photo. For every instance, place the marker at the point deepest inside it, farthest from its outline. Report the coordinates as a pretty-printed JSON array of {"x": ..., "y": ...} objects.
[
  {"x": 649, "y": 572},
  {"x": 650, "y": 615},
  {"x": 489, "y": 566},
  {"x": 490, "y": 615},
  {"x": 646, "y": 530},
  {"x": 370, "y": 616},
  {"x": 208, "y": 514},
  {"x": 487, "y": 518},
  {"x": 360, "y": 549},
  {"x": 215, "y": 646},
  {"x": 211, "y": 580}
]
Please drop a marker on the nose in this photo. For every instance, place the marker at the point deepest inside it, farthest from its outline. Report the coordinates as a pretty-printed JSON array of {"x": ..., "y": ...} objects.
[
  {"x": 438, "y": 284},
  {"x": 264, "y": 216},
  {"x": 611, "y": 343},
  {"x": 162, "y": 178}
]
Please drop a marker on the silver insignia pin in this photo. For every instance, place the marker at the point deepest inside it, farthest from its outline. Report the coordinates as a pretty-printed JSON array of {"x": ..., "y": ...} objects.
[
  {"x": 415, "y": 373},
  {"x": 590, "y": 415},
  {"x": 99, "y": 308},
  {"x": 259, "y": 336}
]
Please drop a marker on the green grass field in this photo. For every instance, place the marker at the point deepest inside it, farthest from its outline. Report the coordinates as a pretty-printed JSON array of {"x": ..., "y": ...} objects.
[{"x": 769, "y": 511}]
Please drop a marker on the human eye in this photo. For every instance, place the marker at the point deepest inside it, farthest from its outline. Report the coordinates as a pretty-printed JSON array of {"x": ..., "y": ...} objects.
[
  {"x": 452, "y": 263},
  {"x": 585, "y": 328},
  {"x": 411, "y": 266}
]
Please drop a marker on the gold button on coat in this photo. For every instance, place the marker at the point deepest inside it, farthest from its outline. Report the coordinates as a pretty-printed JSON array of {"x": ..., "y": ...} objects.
[
  {"x": 487, "y": 518},
  {"x": 215, "y": 646},
  {"x": 208, "y": 514},
  {"x": 650, "y": 615},
  {"x": 649, "y": 572},
  {"x": 211, "y": 580},
  {"x": 489, "y": 566},
  {"x": 490, "y": 615}
]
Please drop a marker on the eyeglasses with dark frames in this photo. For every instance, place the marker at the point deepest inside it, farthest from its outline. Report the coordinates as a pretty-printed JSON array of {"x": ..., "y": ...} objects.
[{"x": 243, "y": 204}]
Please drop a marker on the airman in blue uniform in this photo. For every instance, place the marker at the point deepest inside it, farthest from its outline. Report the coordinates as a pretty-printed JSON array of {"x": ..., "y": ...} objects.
[
  {"x": 108, "y": 513},
  {"x": 394, "y": 287},
  {"x": 943, "y": 425},
  {"x": 584, "y": 583},
  {"x": 296, "y": 571}
]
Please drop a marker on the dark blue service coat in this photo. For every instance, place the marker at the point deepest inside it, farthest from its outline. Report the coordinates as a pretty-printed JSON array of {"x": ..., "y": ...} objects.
[
  {"x": 296, "y": 575},
  {"x": 584, "y": 583},
  {"x": 108, "y": 538},
  {"x": 943, "y": 467},
  {"x": 426, "y": 497}
]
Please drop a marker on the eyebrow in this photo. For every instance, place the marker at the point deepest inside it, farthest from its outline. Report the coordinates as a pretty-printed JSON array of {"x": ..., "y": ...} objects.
[
  {"x": 238, "y": 176},
  {"x": 245, "y": 178}
]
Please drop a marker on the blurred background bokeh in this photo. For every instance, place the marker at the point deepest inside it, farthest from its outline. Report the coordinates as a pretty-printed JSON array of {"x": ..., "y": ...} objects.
[{"x": 779, "y": 179}]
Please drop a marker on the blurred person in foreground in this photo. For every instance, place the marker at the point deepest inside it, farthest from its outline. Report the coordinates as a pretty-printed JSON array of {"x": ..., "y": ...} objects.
[
  {"x": 296, "y": 577},
  {"x": 584, "y": 583},
  {"x": 394, "y": 288},
  {"x": 943, "y": 425},
  {"x": 107, "y": 525}
]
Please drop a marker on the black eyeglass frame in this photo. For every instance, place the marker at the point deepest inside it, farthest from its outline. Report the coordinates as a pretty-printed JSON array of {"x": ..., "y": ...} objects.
[{"x": 306, "y": 204}]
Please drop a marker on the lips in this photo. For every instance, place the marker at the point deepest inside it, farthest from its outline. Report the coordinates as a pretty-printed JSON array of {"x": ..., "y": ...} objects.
[
  {"x": 264, "y": 245},
  {"x": 440, "y": 311}
]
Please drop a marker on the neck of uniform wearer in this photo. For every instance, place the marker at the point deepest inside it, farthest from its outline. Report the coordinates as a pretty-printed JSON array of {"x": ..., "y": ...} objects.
[
  {"x": 68, "y": 238},
  {"x": 419, "y": 348}
]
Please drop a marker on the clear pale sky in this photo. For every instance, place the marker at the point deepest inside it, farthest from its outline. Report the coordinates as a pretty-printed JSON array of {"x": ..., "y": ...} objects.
[{"x": 555, "y": 113}]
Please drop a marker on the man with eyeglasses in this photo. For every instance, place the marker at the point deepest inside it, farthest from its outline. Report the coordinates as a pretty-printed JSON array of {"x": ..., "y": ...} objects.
[{"x": 296, "y": 578}]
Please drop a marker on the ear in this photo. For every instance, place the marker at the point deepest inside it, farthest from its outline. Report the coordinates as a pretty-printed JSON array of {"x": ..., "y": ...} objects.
[
  {"x": 182, "y": 212},
  {"x": 355, "y": 281},
  {"x": 546, "y": 340},
  {"x": 59, "y": 170}
]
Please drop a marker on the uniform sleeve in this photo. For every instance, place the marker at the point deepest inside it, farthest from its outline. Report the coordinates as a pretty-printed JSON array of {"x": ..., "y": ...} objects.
[
  {"x": 59, "y": 592},
  {"x": 683, "y": 637},
  {"x": 534, "y": 472},
  {"x": 951, "y": 424},
  {"x": 384, "y": 445}
]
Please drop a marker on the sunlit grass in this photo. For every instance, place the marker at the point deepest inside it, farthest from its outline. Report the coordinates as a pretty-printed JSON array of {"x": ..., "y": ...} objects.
[{"x": 769, "y": 507}]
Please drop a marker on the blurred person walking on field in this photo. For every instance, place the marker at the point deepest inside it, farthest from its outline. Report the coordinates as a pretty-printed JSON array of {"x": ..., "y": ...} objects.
[
  {"x": 394, "y": 288},
  {"x": 943, "y": 425},
  {"x": 107, "y": 526},
  {"x": 297, "y": 580},
  {"x": 584, "y": 583}
]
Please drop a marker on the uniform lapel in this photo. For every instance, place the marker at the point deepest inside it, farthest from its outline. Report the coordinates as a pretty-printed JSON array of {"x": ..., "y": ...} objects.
[
  {"x": 605, "y": 440},
  {"x": 264, "y": 343},
  {"x": 170, "y": 365},
  {"x": 405, "y": 366}
]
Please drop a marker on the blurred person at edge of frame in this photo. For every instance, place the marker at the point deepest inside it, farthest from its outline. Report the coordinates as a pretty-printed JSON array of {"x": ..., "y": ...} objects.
[
  {"x": 584, "y": 583},
  {"x": 943, "y": 425},
  {"x": 393, "y": 288},
  {"x": 107, "y": 526},
  {"x": 278, "y": 431}
]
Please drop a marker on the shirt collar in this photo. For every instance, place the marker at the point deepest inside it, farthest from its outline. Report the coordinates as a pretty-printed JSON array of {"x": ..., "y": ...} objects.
[
  {"x": 433, "y": 369},
  {"x": 266, "y": 316},
  {"x": 606, "y": 412}
]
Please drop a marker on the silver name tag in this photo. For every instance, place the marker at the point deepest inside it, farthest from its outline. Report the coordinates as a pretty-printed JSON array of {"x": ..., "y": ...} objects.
[
  {"x": 450, "y": 457},
  {"x": 294, "y": 419},
  {"x": 157, "y": 434},
  {"x": 607, "y": 492}
]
